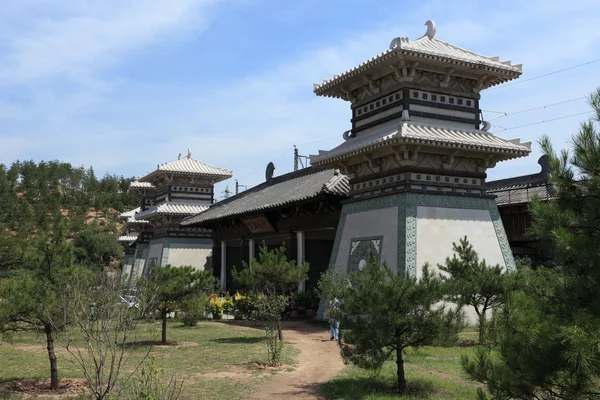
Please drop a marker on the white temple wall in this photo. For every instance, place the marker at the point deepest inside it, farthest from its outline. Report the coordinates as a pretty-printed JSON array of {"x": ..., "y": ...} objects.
[
  {"x": 382, "y": 222},
  {"x": 193, "y": 254},
  {"x": 139, "y": 264},
  {"x": 128, "y": 265},
  {"x": 438, "y": 228}
]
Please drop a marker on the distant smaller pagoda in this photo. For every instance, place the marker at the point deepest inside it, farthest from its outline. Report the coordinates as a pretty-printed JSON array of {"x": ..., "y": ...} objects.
[{"x": 172, "y": 192}]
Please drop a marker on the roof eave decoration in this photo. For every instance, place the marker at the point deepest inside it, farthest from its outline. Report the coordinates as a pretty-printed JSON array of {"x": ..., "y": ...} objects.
[
  {"x": 337, "y": 185},
  {"x": 495, "y": 71},
  {"x": 513, "y": 148},
  {"x": 188, "y": 166}
]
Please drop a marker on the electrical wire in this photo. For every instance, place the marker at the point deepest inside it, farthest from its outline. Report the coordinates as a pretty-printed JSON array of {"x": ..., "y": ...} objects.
[
  {"x": 544, "y": 75},
  {"x": 543, "y": 122}
]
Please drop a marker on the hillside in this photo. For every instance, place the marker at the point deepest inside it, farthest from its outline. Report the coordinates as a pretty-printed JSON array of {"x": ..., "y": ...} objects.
[{"x": 50, "y": 202}]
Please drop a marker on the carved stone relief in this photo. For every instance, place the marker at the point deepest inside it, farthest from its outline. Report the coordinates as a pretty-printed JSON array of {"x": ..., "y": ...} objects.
[{"x": 361, "y": 251}]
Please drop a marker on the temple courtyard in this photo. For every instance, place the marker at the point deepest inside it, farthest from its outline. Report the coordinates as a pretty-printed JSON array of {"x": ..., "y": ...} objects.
[{"x": 223, "y": 359}]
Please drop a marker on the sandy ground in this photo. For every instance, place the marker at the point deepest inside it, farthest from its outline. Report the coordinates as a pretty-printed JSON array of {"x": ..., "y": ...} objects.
[{"x": 319, "y": 361}]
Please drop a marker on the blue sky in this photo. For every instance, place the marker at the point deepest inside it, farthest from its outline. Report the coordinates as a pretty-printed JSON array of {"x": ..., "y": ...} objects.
[{"x": 125, "y": 85}]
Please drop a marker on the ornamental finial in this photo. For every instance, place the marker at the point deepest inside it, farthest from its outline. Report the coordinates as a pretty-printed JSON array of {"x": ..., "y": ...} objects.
[
  {"x": 430, "y": 29},
  {"x": 189, "y": 154}
]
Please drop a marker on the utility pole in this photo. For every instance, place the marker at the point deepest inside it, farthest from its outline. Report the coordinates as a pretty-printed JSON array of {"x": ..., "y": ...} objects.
[
  {"x": 238, "y": 186},
  {"x": 298, "y": 159},
  {"x": 295, "y": 158}
]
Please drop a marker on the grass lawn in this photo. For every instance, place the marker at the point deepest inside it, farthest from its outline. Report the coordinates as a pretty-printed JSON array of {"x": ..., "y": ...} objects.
[
  {"x": 431, "y": 372},
  {"x": 213, "y": 358}
]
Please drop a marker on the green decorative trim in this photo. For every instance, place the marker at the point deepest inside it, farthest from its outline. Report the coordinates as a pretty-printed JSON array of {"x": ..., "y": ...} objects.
[
  {"x": 164, "y": 260},
  {"x": 407, "y": 203},
  {"x": 410, "y": 265},
  {"x": 401, "y": 266},
  {"x": 446, "y": 201}
]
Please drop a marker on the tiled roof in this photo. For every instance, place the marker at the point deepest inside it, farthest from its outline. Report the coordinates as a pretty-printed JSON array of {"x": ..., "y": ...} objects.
[
  {"x": 129, "y": 216},
  {"x": 425, "y": 134},
  {"x": 522, "y": 189},
  {"x": 520, "y": 194},
  {"x": 141, "y": 185},
  {"x": 129, "y": 213},
  {"x": 171, "y": 209},
  {"x": 190, "y": 166},
  {"x": 431, "y": 49},
  {"x": 130, "y": 237},
  {"x": 287, "y": 189}
]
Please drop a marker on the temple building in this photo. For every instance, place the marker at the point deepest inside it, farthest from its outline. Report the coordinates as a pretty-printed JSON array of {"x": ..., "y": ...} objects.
[
  {"x": 172, "y": 192},
  {"x": 513, "y": 196},
  {"x": 129, "y": 239},
  {"x": 417, "y": 154},
  {"x": 300, "y": 209}
]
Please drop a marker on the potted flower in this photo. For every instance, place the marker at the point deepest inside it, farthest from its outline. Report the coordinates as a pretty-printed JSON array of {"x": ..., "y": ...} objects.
[{"x": 215, "y": 306}]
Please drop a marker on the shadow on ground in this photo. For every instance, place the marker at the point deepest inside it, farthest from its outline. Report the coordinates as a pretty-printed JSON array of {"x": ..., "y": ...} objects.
[
  {"x": 357, "y": 388},
  {"x": 239, "y": 340}
]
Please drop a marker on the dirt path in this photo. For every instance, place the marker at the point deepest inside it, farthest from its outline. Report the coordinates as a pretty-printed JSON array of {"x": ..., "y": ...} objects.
[{"x": 319, "y": 361}]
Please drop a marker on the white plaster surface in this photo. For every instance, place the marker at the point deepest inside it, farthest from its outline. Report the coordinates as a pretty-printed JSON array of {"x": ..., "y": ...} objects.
[
  {"x": 189, "y": 254},
  {"x": 139, "y": 263},
  {"x": 438, "y": 228},
  {"x": 382, "y": 222}
]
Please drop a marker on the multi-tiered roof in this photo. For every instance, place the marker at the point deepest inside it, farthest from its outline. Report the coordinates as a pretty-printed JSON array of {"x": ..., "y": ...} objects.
[
  {"x": 173, "y": 191},
  {"x": 422, "y": 95}
]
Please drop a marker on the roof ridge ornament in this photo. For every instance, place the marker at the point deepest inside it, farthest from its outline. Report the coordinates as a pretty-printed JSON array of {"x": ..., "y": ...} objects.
[
  {"x": 189, "y": 153},
  {"x": 430, "y": 29},
  {"x": 269, "y": 172}
]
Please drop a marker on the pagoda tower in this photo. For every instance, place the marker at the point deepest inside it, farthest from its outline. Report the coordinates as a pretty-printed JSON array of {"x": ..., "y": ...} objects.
[
  {"x": 417, "y": 155},
  {"x": 172, "y": 192}
]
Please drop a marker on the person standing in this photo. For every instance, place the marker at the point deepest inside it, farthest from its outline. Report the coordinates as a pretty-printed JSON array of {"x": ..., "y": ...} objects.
[{"x": 334, "y": 323}]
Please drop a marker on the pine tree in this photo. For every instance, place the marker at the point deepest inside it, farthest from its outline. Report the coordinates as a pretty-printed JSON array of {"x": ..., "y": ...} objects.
[
  {"x": 548, "y": 329},
  {"x": 171, "y": 286},
  {"x": 270, "y": 278},
  {"x": 383, "y": 313},
  {"x": 473, "y": 283}
]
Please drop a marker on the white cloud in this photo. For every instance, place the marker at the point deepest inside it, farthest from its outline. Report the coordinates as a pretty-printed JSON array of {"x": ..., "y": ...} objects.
[{"x": 86, "y": 36}]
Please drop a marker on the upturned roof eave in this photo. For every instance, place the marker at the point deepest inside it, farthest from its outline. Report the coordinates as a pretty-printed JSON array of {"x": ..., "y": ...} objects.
[
  {"x": 509, "y": 72},
  {"x": 219, "y": 177},
  {"x": 517, "y": 153}
]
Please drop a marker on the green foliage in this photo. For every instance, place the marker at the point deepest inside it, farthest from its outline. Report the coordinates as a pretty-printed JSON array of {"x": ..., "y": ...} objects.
[
  {"x": 382, "y": 313},
  {"x": 269, "y": 308},
  {"x": 305, "y": 299},
  {"x": 36, "y": 300},
  {"x": 271, "y": 273},
  {"x": 548, "y": 328},
  {"x": 245, "y": 304},
  {"x": 228, "y": 306},
  {"x": 171, "y": 286},
  {"x": 215, "y": 307},
  {"x": 270, "y": 278},
  {"x": 194, "y": 308},
  {"x": 38, "y": 197},
  {"x": 472, "y": 282},
  {"x": 153, "y": 384},
  {"x": 96, "y": 247}
]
